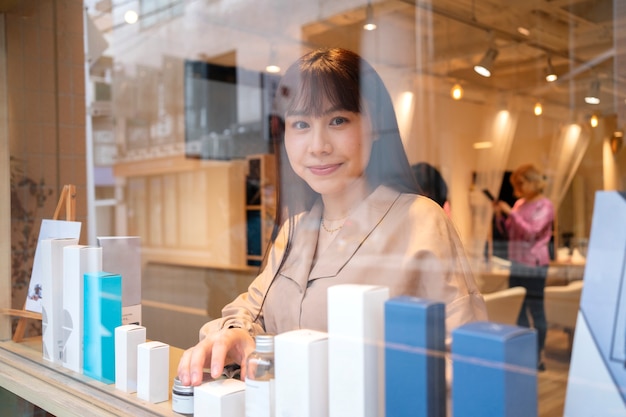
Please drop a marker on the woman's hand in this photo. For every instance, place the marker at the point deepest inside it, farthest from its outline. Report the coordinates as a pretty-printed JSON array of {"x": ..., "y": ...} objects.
[
  {"x": 214, "y": 351},
  {"x": 501, "y": 207}
]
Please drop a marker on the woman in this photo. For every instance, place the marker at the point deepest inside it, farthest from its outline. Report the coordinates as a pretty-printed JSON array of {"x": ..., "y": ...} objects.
[
  {"x": 528, "y": 227},
  {"x": 347, "y": 215}
]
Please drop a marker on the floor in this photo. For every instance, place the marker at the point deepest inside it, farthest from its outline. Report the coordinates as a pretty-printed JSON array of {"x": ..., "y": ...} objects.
[{"x": 552, "y": 383}]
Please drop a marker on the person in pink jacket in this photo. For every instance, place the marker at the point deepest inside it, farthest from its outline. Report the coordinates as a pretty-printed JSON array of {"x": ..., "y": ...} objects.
[
  {"x": 347, "y": 213},
  {"x": 528, "y": 227}
]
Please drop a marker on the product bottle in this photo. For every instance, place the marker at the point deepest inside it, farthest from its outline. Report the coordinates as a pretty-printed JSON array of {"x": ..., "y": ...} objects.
[{"x": 260, "y": 378}]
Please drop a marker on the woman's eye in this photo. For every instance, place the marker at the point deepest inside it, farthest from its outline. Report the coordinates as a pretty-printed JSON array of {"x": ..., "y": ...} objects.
[
  {"x": 336, "y": 121},
  {"x": 299, "y": 124}
]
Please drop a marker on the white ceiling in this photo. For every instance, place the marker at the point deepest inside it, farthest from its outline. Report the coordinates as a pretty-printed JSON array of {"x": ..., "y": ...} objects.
[{"x": 438, "y": 39}]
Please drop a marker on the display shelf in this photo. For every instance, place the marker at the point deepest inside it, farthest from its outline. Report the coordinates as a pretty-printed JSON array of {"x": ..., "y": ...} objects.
[
  {"x": 65, "y": 393},
  {"x": 260, "y": 205}
]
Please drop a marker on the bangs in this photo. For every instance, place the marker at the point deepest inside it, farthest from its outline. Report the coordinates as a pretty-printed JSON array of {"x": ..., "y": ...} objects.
[{"x": 311, "y": 90}]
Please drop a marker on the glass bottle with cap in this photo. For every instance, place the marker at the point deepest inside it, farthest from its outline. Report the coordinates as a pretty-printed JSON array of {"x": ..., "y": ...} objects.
[{"x": 260, "y": 378}]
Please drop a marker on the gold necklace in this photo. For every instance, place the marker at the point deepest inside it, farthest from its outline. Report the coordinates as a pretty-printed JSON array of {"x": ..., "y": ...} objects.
[{"x": 334, "y": 229}]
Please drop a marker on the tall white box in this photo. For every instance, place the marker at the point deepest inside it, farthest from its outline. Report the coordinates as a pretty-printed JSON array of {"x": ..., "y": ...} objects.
[
  {"x": 220, "y": 398},
  {"x": 77, "y": 261},
  {"x": 52, "y": 297},
  {"x": 153, "y": 368},
  {"x": 122, "y": 255},
  {"x": 302, "y": 356},
  {"x": 356, "y": 362},
  {"x": 127, "y": 338}
]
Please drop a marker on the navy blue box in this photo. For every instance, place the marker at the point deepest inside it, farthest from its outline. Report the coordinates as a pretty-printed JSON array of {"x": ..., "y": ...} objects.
[
  {"x": 494, "y": 370},
  {"x": 415, "y": 383}
]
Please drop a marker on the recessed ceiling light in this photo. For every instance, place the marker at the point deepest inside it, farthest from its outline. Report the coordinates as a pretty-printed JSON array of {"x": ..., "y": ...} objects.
[
  {"x": 482, "y": 145},
  {"x": 131, "y": 17}
]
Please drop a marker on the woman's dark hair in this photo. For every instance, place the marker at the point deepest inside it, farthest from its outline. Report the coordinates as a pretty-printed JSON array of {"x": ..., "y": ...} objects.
[{"x": 431, "y": 182}]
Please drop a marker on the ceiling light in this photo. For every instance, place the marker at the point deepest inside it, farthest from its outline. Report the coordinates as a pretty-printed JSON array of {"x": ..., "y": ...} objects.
[
  {"x": 272, "y": 66},
  {"x": 131, "y": 17},
  {"x": 457, "y": 91},
  {"x": 484, "y": 66},
  {"x": 538, "y": 108},
  {"x": 482, "y": 145},
  {"x": 593, "y": 95},
  {"x": 551, "y": 75},
  {"x": 369, "y": 18},
  {"x": 593, "y": 121},
  {"x": 616, "y": 141}
]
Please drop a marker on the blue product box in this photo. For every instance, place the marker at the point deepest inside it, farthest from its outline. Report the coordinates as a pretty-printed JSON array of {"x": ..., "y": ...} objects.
[
  {"x": 494, "y": 370},
  {"x": 415, "y": 382},
  {"x": 102, "y": 314}
]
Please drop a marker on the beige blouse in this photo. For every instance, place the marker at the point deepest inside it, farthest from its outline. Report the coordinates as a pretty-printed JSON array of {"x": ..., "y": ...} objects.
[{"x": 403, "y": 241}]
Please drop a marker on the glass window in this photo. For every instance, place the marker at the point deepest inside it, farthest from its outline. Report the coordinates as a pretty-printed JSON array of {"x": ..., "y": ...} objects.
[{"x": 179, "y": 120}]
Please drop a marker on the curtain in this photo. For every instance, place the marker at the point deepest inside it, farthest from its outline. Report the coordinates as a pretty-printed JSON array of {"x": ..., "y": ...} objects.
[
  {"x": 565, "y": 157},
  {"x": 490, "y": 167}
]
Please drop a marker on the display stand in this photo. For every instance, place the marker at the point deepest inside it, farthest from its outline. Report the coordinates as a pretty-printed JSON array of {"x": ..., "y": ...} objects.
[{"x": 68, "y": 198}]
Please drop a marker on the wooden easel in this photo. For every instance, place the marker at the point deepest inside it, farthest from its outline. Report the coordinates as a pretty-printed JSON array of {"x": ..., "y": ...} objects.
[{"x": 68, "y": 198}]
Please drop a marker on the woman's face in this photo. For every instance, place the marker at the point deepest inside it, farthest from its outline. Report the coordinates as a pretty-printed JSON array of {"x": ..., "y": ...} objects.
[
  {"x": 523, "y": 188},
  {"x": 329, "y": 152}
]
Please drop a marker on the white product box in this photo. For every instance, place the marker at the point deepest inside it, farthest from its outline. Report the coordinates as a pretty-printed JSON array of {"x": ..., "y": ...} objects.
[
  {"x": 127, "y": 338},
  {"x": 77, "y": 260},
  {"x": 122, "y": 255},
  {"x": 220, "y": 398},
  {"x": 52, "y": 297},
  {"x": 153, "y": 368},
  {"x": 356, "y": 362},
  {"x": 301, "y": 355}
]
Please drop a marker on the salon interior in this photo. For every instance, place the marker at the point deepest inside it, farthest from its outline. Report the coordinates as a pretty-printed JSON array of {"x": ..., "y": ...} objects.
[{"x": 157, "y": 111}]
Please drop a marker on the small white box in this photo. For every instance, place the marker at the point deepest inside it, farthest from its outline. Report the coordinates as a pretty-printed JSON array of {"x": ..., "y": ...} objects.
[
  {"x": 127, "y": 339},
  {"x": 153, "y": 368},
  {"x": 302, "y": 356},
  {"x": 220, "y": 398},
  {"x": 77, "y": 260},
  {"x": 356, "y": 361},
  {"x": 122, "y": 255},
  {"x": 52, "y": 335}
]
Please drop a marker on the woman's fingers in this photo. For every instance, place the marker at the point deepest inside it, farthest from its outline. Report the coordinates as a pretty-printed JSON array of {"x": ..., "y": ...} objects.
[
  {"x": 216, "y": 350},
  {"x": 193, "y": 361},
  {"x": 232, "y": 345}
]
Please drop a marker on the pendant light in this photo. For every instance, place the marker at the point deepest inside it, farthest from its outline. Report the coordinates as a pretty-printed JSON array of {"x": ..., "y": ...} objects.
[
  {"x": 369, "y": 18},
  {"x": 456, "y": 92}
]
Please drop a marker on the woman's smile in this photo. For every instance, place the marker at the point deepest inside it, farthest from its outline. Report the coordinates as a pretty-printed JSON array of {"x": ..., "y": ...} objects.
[{"x": 325, "y": 169}]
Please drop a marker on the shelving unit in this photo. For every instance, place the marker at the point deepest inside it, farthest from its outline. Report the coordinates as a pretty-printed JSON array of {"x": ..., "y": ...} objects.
[{"x": 260, "y": 205}]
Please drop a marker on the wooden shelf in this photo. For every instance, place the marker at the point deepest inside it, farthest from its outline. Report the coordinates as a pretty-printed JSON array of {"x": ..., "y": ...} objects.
[{"x": 65, "y": 393}]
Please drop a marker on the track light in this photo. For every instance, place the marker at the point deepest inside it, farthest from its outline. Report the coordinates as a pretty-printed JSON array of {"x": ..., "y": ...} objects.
[
  {"x": 457, "y": 91},
  {"x": 593, "y": 121},
  {"x": 538, "y": 108},
  {"x": 369, "y": 18},
  {"x": 484, "y": 66},
  {"x": 551, "y": 75},
  {"x": 593, "y": 95}
]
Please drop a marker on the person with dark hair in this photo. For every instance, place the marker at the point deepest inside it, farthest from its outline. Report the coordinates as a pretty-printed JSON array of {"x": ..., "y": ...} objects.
[
  {"x": 347, "y": 214},
  {"x": 431, "y": 184},
  {"x": 528, "y": 228}
]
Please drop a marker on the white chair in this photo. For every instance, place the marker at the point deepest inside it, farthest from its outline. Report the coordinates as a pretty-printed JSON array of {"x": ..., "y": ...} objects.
[
  {"x": 504, "y": 306},
  {"x": 561, "y": 304}
]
